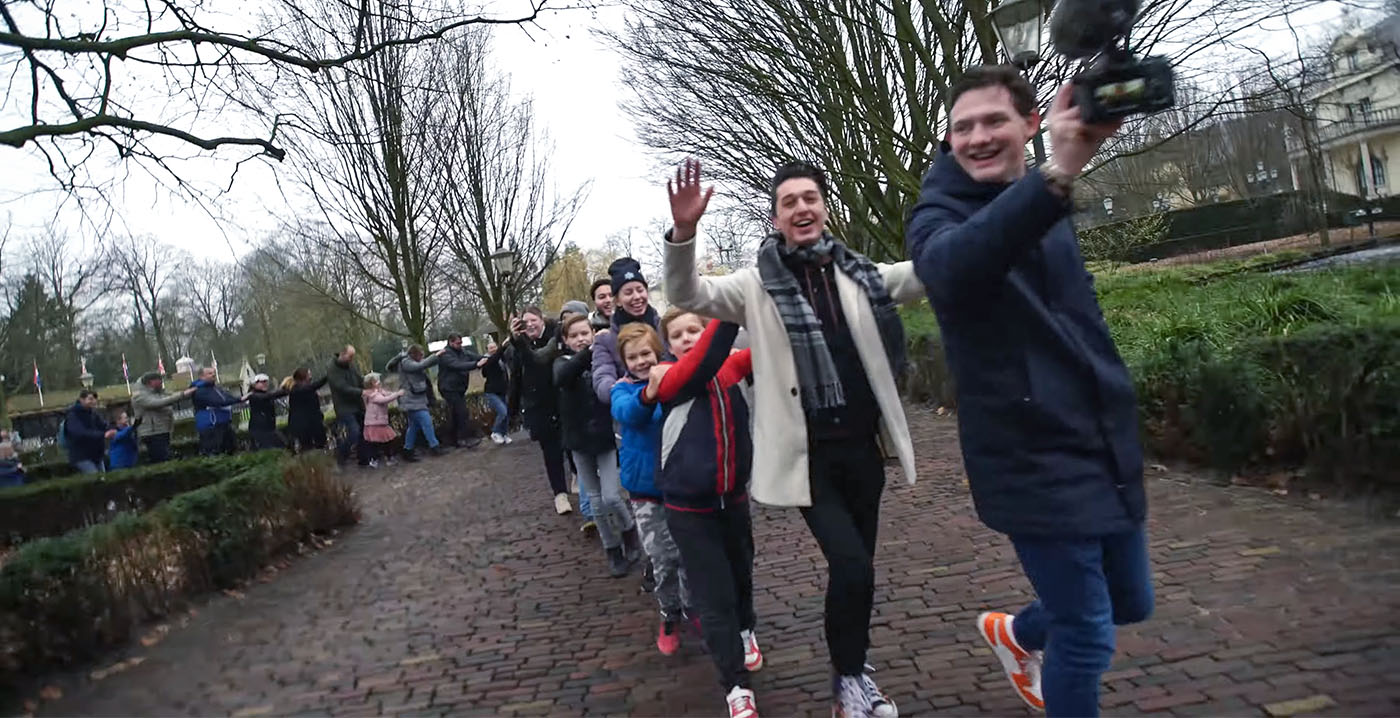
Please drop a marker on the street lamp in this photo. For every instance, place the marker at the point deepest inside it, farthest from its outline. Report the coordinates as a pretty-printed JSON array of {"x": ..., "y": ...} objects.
[
  {"x": 503, "y": 261},
  {"x": 1108, "y": 206},
  {"x": 260, "y": 358},
  {"x": 86, "y": 379},
  {"x": 185, "y": 365},
  {"x": 1019, "y": 26}
]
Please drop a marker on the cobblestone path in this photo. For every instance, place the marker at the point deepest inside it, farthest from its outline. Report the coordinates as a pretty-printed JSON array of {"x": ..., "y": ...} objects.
[{"x": 462, "y": 593}]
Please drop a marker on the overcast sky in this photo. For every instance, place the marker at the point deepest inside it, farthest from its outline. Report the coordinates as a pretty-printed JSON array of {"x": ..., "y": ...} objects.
[{"x": 561, "y": 62}]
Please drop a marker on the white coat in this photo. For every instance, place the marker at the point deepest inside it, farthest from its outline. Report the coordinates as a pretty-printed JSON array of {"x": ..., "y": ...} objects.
[{"x": 780, "y": 473}]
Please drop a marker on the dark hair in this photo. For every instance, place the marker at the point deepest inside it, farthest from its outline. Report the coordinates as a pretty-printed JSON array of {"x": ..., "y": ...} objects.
[
  {"x": 301, "y": 374},
  {"x": 86, "y": 393},
  {"x": 795, "y": 170},
  {"x": 979, "y": 76},
  {"x": 533, "y": 309},
  {"x": 453, "y": 337},
  {"x": 599, "y": 282}
]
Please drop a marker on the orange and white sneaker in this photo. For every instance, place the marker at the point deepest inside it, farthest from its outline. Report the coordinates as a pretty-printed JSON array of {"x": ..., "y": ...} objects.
[
  {"x": 753, "y": 658},
  {"x": 668, "y": 637},
  {"x": 1022, "y": 667},
  {"x": 741, "y": 703}
]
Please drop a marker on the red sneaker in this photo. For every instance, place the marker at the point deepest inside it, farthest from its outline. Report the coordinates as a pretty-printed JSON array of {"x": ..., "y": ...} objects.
[
  {"x": 741, "y": 703},
  {"x": 753, "y": 658},
  {"x": 668, "y": 640}
]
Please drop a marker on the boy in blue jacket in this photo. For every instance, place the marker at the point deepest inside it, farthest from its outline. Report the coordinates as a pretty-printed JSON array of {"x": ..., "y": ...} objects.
[
  {"x": 123, "y": 451},
  {"x": 706, "y": 455},
  {"x": 639, "y": 420},
  {"x": 1046, "y": 412}
]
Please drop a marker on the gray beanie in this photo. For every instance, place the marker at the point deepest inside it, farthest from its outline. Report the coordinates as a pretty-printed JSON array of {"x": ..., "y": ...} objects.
[{"x": 573, "y": 306}]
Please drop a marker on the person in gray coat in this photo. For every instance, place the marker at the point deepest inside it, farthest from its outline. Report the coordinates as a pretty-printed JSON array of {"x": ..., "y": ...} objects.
[{"x": 413, "y": 379}]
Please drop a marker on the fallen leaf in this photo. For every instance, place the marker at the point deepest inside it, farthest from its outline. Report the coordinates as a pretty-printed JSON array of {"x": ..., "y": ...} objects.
[
  {"x": 1280, "y": 492},
  {"x": 1159, "y": 468},
  {"x": 231, "y": 593},
  {"x": 51, "y": 693}
]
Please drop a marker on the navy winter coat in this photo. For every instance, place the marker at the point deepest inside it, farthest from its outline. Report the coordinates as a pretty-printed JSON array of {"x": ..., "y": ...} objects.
[
  {"x": 211, "y": 405},
  {"x": 87, "y": 434},
  {"x": 1046, "y": 410}
]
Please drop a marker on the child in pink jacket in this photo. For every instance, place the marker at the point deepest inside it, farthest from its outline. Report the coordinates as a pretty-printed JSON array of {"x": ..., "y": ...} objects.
[{"x": 378, "y": 433}]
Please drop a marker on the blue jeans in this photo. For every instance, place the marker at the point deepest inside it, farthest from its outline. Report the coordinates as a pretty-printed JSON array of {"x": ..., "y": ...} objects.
[
  {"x": 353, "y": 436},
  {"x": 1084, "y": 586},
  {"x": 498, "y": 405},
  {"x": 420, "y": 421},
  {"x": 87, "y": 466}
]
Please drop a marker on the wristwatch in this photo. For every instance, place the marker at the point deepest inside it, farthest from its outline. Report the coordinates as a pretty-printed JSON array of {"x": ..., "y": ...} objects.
[{"x": 1060, "y": 181}]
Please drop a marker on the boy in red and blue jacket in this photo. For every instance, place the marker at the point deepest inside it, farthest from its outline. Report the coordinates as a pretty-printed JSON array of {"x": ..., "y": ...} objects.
[{"x": 706, "y": 455}]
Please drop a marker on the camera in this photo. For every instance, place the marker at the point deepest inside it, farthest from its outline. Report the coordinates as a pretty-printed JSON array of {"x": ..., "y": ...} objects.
[{"x": 1114, "y": 83}]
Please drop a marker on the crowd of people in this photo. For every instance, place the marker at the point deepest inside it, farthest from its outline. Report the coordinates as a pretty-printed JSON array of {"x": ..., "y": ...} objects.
[
  {"x": 658, "y": 415},
  {"x": 360, "y": 402}
]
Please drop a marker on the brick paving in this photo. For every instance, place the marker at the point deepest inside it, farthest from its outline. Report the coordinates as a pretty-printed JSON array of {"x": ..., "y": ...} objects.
[{"x": 462, "y": 593}]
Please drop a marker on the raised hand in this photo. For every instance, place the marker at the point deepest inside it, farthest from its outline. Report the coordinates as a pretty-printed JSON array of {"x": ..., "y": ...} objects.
[
  {"x": 654, "y": 378},
  {"x": 1074, "y": 141},
  {"x": 481, "y": 362},
  {"x": 688, "y": 200}
]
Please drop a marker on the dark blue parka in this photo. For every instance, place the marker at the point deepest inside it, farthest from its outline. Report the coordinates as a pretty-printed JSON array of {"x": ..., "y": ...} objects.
[{"x": 1046, "y": 410}]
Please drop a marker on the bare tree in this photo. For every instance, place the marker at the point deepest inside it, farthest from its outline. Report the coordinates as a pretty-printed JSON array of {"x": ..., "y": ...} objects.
[
  {"x": 145, "y": 269},
  {"x": 493, "y": 185},
  {"x": 858, "y": 86},
  {"x": 140, "y": 80},
  {"x": 364, "y": 155}
]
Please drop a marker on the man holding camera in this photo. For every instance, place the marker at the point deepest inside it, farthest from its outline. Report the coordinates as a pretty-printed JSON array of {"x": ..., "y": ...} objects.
[{"x": 1046, "y": 411}]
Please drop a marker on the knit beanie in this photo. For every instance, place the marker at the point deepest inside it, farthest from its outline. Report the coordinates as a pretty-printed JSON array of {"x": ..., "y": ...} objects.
[
  {"x": 624, "y": 270},
  {"x": 573, "y": 306}
]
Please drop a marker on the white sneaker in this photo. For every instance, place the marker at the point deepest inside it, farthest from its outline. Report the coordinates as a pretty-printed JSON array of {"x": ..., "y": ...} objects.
[
  {"x": 1022, "y": 667},
  {"x": 561, "y": 504},
  {"x": 508, "y": 439},
  {"x": 741, "y": 703},
  {"x": 753, "y": 658},
  {"x": 497, "y": 438},
  {"x": 848, "y": 698},
  {"x": 880, "y": 704}
]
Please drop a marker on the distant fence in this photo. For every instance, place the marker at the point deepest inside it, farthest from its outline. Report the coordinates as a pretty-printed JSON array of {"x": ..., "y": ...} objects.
[{"x": 1255, "y": 219}]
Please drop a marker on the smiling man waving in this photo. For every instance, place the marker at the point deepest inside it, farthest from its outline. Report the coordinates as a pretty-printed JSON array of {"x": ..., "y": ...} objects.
[{"x": 827, "y": 344}]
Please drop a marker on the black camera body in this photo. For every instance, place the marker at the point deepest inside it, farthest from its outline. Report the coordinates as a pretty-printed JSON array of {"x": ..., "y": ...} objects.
[{"x": 1115, "y": 84}]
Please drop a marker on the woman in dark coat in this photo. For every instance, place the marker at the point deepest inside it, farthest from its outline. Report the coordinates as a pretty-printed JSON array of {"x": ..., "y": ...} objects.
[
  {"x": 262, "y": 414},
  {"x": 305, "y": 422}
]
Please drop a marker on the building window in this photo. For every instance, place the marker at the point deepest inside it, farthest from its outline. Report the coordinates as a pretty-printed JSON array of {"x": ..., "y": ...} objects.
[
  {"x": 1359, "y": 177},
  {"x": 1364, "y": 107},
  {"x": 1352, "y": 60},
  {"x": 1377, "y": 171}
]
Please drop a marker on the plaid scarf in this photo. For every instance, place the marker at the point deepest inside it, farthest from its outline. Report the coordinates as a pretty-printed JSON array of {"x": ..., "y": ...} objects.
[{"x": 816, "y": 372}]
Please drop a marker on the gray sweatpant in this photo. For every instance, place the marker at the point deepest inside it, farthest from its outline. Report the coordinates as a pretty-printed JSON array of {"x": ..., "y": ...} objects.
[{"x": 671, "y": 590}]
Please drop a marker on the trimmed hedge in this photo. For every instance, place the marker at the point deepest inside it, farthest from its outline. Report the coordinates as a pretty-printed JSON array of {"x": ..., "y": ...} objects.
[
  {"x": 1246, "y": 372},
  {"x": 54, "y": 507},
  {"x": 66, "y": 599}
]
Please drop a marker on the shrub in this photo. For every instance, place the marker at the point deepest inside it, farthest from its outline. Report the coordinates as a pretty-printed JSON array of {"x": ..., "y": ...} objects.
[
  {"x": 61, "y": 505},
  {"x": 65, "y": 599},
  {"x": 1112, "y": 241}
]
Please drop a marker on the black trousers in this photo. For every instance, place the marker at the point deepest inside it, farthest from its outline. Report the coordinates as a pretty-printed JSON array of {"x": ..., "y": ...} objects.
[
  {"x": 552, "y": 445},
  {"x": 266, "y": 439},
  {"x": 309, "y": 436},
  {"x": 217, "y": 439},
  {"x": 847, "y": 478},
  {"x": 462, "y": 429},
  {"x": 717, "y": 553},
  {"x": 157, "y": 448}
]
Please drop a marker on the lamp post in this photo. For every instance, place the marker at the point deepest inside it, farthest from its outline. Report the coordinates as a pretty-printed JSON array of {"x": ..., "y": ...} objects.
[
  {"x": 503, "y": 261},
  {"x": 1108, "y": 206},
  {"x": 86, "y": 379},
  {"x": 1019, "y": 25},
  {"x": 260, "y": 358}
]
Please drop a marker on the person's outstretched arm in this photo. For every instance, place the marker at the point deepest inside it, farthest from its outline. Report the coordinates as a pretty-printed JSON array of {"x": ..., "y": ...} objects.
[{"x": 689, "y": 375}]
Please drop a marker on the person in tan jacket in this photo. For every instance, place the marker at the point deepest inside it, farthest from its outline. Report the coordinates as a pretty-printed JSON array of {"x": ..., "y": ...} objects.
[
  {"x": 155, "y": 415},
  {"x": 827, "y": 345}
]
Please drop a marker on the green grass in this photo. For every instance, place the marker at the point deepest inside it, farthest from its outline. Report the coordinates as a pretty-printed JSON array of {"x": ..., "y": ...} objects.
[{"x": 1221, "y": 305}]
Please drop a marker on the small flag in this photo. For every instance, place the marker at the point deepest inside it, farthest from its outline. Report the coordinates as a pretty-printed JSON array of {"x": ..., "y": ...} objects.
[
  {"x": 82, "y": 365},
  {"x": 160, "y": 365},
  {"x": 125, "y": 374},
  {"x": 214, "y": 364}
]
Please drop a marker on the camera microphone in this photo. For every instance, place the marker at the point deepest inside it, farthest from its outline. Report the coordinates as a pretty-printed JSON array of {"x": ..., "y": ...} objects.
[{"x": 1084, "y": 28}]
